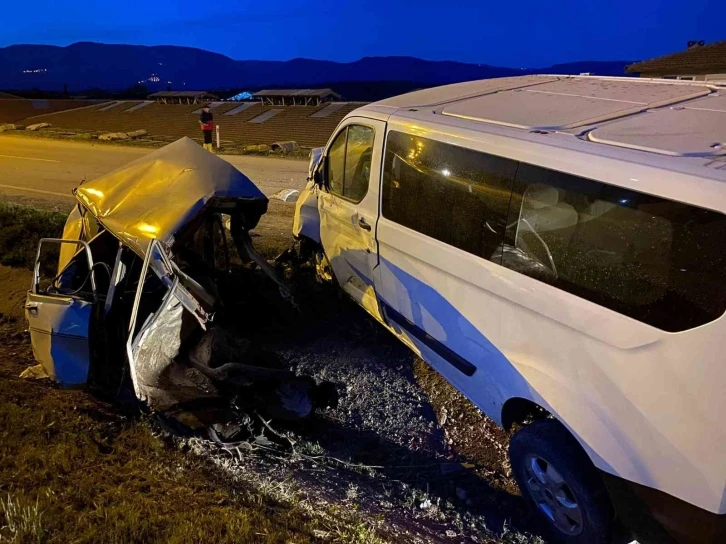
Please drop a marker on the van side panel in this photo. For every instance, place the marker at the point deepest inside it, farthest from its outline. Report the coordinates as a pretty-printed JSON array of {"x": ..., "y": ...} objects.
[{"x": 645, "y": 404}]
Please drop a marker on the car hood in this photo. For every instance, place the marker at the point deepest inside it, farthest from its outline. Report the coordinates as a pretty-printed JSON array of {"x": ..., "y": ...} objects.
[{"x": 156, "y": 195}]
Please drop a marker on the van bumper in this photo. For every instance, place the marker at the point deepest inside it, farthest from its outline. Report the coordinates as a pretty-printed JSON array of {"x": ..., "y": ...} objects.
[{"x": 654, "y": 516}]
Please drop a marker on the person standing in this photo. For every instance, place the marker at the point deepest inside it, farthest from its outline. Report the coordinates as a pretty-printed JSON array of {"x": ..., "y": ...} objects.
[{"x": 206, "y": 121}]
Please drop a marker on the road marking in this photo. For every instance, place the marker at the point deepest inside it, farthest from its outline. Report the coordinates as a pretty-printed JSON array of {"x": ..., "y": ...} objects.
[
  {"x": 28, "y": 190},
  {"x": 28, "y": 158}
]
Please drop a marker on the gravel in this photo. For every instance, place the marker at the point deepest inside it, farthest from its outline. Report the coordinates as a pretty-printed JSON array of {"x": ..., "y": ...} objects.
[{"x": 380, "y": 459}]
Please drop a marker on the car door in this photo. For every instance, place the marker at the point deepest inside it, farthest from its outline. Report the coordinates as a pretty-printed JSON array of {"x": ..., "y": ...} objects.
[
  {"x": 348, "y": 207},
  {"x": 59, "y": 317},
  {"x": 155, "y": 334}
]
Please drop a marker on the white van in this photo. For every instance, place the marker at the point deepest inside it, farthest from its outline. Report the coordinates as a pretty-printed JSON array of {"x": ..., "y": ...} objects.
[{"x": 555, "y": 247}]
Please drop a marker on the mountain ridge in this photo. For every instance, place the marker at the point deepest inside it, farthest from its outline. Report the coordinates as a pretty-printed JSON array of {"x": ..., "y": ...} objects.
[{"x": 114, "y": 67}]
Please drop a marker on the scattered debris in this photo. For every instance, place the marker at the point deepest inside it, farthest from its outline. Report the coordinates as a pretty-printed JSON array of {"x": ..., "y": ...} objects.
[
  {"x": 35, "y": 372},
  {"x": 287, "y": 195},
  {"x": 136, "y": 133},
  {"x": 9, "y": 126},
  {"x": 260, "y": 148},
  {"x": 38, "y": 126},
  {"x": 109, "y": 136},
  {"x": 285, "y": 147}
]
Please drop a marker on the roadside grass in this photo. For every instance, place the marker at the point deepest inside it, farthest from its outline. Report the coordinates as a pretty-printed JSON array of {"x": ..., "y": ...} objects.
[
  {"x": 75, "y": 470},
  {"x": 21, "y": 227}
]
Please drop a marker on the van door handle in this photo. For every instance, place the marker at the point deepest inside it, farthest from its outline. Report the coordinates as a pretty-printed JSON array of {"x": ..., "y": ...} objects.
[
  {"x": 32, "y": 308},
  {"x": 362, "y": 224}
]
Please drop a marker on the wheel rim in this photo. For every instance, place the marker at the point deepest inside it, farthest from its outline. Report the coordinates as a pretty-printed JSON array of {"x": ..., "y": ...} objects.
[{"x": 553, "y": 496}]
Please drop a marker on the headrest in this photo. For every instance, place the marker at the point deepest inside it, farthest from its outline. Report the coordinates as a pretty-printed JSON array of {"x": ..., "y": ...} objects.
[
  {"x": 599, "y": 207},
  {"x": 541, "y": 196}
]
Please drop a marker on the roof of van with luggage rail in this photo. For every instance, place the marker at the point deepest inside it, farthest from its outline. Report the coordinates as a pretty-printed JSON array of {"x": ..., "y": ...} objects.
[{"x": 681, "y": 121}]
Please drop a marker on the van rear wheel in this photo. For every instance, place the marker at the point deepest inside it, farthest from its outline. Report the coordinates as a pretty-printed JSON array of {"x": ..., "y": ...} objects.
[{"x": 555, "y": 474}]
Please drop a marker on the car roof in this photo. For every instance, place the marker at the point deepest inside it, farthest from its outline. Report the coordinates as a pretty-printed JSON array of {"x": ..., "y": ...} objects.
[
  {"x": 684, "y": 122},
  {"x": 159, "y": 193}
]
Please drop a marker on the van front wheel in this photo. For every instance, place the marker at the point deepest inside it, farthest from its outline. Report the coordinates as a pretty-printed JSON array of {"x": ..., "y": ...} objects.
[{"x": 556, "y": 475}]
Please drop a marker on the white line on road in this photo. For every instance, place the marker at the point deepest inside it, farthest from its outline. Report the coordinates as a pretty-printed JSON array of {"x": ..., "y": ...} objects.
[
  {"x": 28, "y": 190},
  {"x": 28, "y": 158}
]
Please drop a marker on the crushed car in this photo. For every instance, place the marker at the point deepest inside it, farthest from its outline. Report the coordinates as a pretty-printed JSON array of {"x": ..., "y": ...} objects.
[{"x": 137, "y": 302}]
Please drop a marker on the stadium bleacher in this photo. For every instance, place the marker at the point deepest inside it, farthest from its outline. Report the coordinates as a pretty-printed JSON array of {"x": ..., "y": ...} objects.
[
  {"x": 173, "y": 121},
  {"x": 13, "y": 110}
]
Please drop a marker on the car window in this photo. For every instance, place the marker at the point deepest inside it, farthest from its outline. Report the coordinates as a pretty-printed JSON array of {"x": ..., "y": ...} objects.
[
  {"x": 456, "y": 195},
  {"x": 336, "y": 163},
  {"x": 652, "y": 259},
  {"x": 358, "y": 156}
]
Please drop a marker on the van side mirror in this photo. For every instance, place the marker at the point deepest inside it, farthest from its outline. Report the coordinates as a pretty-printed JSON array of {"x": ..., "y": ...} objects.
[
  {"x": 318, "y": 177},
  {"x": 320, "y": 173},
  {"x": 314, "y": 168}
]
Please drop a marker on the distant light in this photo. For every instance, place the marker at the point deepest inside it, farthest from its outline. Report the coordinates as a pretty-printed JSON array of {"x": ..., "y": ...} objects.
[
  {"x": 241, "y": 96},
  {"x": 446, "y": 172},
  {"x": 624, "y": 201}
]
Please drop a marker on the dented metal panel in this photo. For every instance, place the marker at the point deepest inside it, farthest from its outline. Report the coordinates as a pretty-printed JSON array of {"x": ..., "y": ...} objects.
[
  {"x": 306, "y": 221},
  {"x": 154, "y": 196},
  {"x": 161, "y": 381},
  {"x": 59, "y": 335},
  {"x": 149, "y": 305}
]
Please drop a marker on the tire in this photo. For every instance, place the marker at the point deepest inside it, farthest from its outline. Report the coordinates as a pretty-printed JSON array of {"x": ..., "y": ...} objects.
[{"x": 557, "y": 477}]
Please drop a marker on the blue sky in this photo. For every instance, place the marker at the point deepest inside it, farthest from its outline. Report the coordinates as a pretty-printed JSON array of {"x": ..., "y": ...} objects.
[{"x": 523, "y": 33}]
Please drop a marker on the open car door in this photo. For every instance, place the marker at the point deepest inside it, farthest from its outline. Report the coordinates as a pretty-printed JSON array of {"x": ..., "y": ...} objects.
[{"x": 59, "y": 315}]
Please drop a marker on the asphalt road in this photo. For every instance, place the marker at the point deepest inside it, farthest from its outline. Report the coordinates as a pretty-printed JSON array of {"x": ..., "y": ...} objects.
[{"x": 47, "y": 170}]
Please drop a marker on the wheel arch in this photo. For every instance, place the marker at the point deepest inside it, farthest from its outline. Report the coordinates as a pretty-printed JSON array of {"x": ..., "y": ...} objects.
[{"x": 519, "y": 410}]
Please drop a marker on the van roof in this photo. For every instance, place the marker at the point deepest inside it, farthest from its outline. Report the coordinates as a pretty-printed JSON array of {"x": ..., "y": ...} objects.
[{"x": 678, "y": 119}]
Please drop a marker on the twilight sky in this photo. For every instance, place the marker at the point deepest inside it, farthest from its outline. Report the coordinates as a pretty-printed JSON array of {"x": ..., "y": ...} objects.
[{"x": 524, "y": 33}]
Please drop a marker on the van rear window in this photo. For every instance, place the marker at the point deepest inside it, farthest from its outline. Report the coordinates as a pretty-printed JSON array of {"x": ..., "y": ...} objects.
[
  {"x": 655, "y": 260},
  {"x": 658, "y": 261}
]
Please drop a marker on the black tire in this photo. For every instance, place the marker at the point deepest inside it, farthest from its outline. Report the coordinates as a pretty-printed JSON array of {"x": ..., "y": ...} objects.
[{"x": 545, "y": 445}]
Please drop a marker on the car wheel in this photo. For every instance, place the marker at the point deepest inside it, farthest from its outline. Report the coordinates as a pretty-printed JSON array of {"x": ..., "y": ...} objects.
[{"x": 555, "y": 474}]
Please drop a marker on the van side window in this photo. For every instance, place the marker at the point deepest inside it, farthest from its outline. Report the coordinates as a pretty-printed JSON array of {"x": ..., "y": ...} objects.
[
  {"x": 335, "y": 165},
  {"x": 358, "y": 156},
  {"x": 657, "y": 261},
  {"x": 455, "y": 195},
  {"x": 349, "y": 162}
]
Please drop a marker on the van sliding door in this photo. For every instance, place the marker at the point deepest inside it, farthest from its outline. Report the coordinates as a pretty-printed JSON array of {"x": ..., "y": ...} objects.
[{"x": 443, "y": 219}]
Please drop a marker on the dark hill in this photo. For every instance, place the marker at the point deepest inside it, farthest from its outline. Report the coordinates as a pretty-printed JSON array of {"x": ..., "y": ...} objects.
[{"x": 87, "y": 65}]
